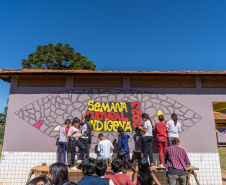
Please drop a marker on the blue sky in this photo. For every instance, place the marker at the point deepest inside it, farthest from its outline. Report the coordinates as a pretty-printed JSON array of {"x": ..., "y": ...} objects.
[{"x": 117, "y": 35}]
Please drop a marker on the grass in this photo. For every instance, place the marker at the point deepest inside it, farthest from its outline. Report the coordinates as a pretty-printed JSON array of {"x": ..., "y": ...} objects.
[
  {"x": 222, "y": 154},
  {"x": 2, "y": 128}
]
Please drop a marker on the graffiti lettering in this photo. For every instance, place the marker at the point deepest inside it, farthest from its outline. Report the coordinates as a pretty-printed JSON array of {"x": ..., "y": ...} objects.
[
  {"x": 109, "y": 125},
  {"x": 107, "y": 107}
]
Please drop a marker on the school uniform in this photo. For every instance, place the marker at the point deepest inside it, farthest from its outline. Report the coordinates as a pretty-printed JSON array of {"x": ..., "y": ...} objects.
[
  {"x": 74, "y": 141},
  {"x": 86, "y": 138},
  {"x": 62, "y": 144},
  {"x": 173, "y": 130},
  {"x": 147, "y": 140},
  {"x": 123, "y": 144}
]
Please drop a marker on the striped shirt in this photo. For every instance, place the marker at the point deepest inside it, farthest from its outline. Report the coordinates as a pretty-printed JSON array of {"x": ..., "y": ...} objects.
[{"x": 176, "y": 157}]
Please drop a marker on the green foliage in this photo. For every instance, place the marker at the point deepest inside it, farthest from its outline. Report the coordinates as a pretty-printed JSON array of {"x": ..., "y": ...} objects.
[
  {"x": 57, "y": 57},
  {"x": 2, "y": 128},
  {"x": 222, "y": 155},
  {"x": 3, "y": 116}
]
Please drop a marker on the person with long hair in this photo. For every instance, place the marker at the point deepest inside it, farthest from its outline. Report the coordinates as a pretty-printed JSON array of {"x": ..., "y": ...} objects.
[
  {"x": 58, "y": 173},
  {"x": 122, "y": 156},
  {"x": 160, "y": 130},
  {"x": 123, "y": 141},
  {"x": 136, "y": 156},
  {"x": 176, "y": 160},
  {"x": 144, "y": 173},
  {"x": 147, "y": 137},
  {"x": 43, "y": 180},
  {"x": 74, "y": 135},
  {"x": 173, "y": 127}
]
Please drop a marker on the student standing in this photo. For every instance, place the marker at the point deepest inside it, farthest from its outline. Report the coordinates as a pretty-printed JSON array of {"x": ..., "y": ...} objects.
[
  {"x": 176, "y": 160},
  {"x": 88, "y": 169},
  {"x": 123, "y": 141},
  {"x": 147, "y": 137},
  {"x": 87, "y": 130},
  {"x": 104, "y": 147},
  {"x": 160, "y": 130},
  {"x": 62, "y": 142},
  {"x": 74, "y": 135},
  {"x": 173, "y": 127}
]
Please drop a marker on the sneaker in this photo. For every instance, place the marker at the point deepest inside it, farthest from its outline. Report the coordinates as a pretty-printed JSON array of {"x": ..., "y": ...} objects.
[
  {"x": 73, "y": 168},
  {"x": 66, "y": 164},
  {"x": 161, "y": 165},
  {"x": 151, "y": 164},
  {"x": 79, "y": 161}
]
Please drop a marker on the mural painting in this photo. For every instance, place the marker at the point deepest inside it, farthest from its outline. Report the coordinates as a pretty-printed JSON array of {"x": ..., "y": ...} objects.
[{"x": 108, "y": 108}]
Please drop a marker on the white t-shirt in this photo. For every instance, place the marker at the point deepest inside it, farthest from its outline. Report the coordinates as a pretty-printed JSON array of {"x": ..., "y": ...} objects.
[
  {"x": 148, "y": 126},
  {"x": 110, "y": 182},
  {"x": 173, "y": 130},
  {"x": 104, "y": 147}
]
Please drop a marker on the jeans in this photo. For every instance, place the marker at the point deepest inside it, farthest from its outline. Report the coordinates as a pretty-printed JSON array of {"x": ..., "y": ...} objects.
[
  {"x": 62, "y": 149},
  {"x": 172, "y": 179},
  {"x": 147, "y": 147},
  {"x": 162, "y": 149},
  {"x": 86, "y": 143},
  {"x": 75, "y": 143},
  {"x": 169, "y": 141}
]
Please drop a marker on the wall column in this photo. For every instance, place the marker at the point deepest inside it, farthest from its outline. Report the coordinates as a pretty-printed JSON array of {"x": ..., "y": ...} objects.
[
  {"x": 198, "y": 82},
  {"x": 13, "y": 85},
  {"x": 126, "y": 82},
  {"x": 69, "y": 81}
]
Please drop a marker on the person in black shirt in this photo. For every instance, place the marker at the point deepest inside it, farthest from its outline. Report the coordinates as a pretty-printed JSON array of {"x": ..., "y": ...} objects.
[{"x": 86, "y": 139}]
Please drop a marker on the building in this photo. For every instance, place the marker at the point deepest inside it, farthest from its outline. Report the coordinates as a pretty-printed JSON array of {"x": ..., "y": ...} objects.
[
  {"x": 220, "y": 121},
  {"x": 40, "y": 101}
]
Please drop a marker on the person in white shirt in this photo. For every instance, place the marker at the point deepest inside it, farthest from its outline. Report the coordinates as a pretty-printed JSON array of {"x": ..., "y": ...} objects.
[
  {"x": 173, "y": 127},
  {"x": 104, "y": 147},
  {"x": 147, "y": 137},
  {"x": 101, "y": 168}
]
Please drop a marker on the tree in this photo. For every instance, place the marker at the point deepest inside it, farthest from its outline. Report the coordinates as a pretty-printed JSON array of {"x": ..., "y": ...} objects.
[
  {"x": 3, "y": 115},
  {"x": 57, "y": 57}
]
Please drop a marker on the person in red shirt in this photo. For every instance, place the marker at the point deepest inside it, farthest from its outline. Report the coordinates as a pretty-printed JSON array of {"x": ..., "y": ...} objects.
[
  {"x": 160, "y": 130},
  {"x": 117, "y": 176}
]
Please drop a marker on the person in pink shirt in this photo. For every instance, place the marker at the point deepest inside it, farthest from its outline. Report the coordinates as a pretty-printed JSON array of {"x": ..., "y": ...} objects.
[{"x": 74, "y": 134}]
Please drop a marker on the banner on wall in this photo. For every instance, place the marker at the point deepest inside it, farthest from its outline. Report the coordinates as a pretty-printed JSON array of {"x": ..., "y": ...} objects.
[{"x": 110, "y": 115}]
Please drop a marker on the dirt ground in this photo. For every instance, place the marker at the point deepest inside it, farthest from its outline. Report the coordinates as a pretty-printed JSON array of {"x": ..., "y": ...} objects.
[{"x": 223, "y": 173}]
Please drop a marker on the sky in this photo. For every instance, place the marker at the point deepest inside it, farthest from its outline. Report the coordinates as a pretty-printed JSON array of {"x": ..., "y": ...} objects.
[{"x": 117, "y": 35}]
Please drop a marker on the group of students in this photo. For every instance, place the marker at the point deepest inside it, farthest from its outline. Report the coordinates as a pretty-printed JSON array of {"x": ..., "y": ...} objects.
[
  {"x": 80, "y": 134},
  {"x": 165, "y": 131},
  {"x": 126, "y": 171},
  {"x": 135, "y": 171}
]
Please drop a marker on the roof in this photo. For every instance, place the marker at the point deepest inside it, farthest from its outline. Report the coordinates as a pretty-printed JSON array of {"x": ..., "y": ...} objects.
[
  {"x": 5, "y": 74},
  {"x": 219, "y": 116}
]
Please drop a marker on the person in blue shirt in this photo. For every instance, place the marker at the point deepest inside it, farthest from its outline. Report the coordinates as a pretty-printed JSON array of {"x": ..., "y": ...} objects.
[
  {"x": 123, "y": 141},
  {"x": 88, "y": 169}
]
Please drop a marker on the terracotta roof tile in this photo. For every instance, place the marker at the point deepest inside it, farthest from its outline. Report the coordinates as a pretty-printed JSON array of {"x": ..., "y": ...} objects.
[
  {"x": 22, "y": 71},
  {"x": 5, "y": 73}
]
